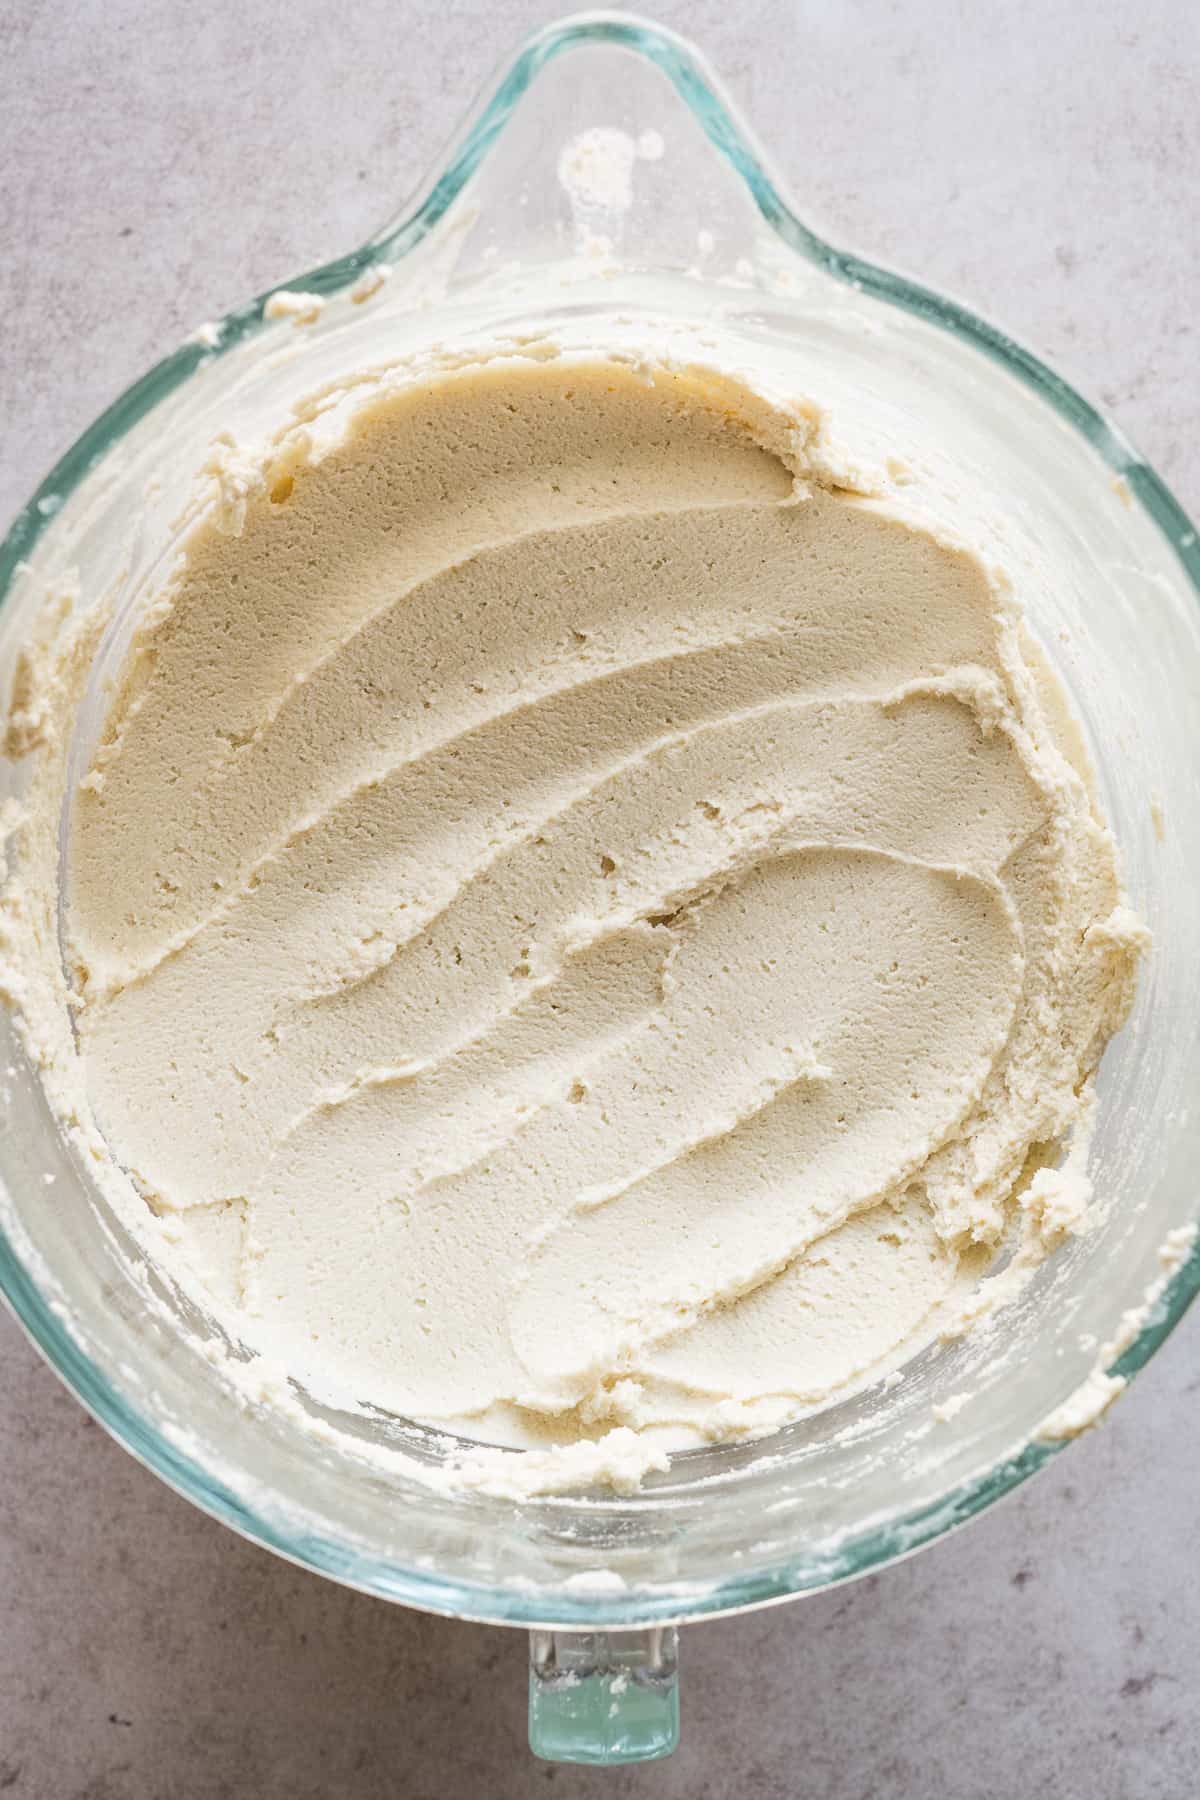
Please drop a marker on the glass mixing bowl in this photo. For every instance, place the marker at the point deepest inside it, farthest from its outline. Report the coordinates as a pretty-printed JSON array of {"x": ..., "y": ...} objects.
[{"x": 687, "y": 225}]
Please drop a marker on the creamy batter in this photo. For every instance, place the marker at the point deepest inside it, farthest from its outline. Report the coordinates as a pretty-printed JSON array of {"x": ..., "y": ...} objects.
[{"x": 587, "y": 927}]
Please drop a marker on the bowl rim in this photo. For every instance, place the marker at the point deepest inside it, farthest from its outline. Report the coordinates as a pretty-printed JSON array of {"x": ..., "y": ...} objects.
[{"x": 872, "y": 1546}]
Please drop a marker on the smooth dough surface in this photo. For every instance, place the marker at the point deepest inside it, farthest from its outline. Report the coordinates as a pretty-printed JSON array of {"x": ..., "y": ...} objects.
[{"x": 584, "y": 923}]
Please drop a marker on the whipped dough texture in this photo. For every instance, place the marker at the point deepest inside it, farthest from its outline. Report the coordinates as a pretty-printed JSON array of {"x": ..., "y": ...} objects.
[{"x": 589, "y": 931}]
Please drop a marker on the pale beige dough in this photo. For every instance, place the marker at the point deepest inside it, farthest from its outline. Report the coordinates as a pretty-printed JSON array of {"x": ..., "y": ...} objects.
[{"x": 582, "y": 920}]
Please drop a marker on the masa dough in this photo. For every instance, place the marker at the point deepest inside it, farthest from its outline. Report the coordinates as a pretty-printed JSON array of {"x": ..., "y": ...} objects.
[{"x": 584, "y": 924}]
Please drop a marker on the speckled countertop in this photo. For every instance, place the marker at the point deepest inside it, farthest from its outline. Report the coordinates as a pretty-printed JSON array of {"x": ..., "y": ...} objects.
[{"x": 158, "y": 163}]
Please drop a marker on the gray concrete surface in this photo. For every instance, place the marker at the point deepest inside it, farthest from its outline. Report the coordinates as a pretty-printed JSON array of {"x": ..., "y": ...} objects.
[{"x": 159, "y": 162}]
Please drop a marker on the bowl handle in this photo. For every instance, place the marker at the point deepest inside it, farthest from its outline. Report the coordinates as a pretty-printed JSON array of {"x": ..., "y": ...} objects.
[{"x": 604, "y": 1696}]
